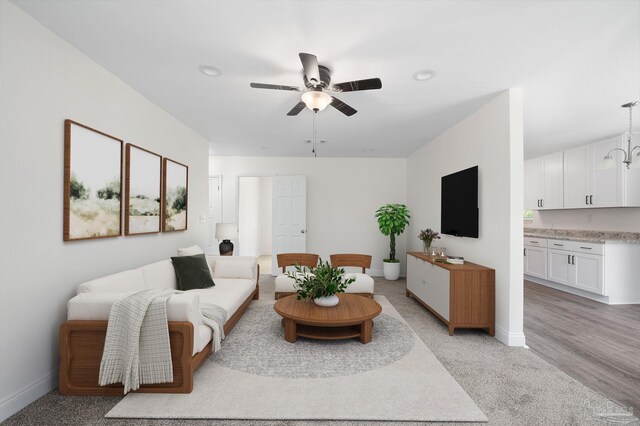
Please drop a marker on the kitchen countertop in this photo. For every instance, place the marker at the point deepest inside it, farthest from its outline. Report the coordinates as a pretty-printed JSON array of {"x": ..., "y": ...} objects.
[{"x": 583, "y": 235}]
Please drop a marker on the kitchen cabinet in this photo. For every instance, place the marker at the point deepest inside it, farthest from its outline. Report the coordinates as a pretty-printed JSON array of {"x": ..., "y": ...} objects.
[
  {"x": 543, "y": 177},
  {"x": 586, "y": 183}
]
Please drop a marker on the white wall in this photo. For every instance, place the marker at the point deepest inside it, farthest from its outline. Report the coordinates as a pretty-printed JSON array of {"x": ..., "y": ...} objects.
[
  {"x": 254, "y": 216},
  {"x": 613, "y": 219},
  {"x": 44, "y": 80},
  {"x": 492, "y": 139},
  {"x": 342, "y": 197}
]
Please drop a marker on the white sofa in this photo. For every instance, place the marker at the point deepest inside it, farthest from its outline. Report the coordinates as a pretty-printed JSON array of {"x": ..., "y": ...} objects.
[{"x": 236, "y": 284}]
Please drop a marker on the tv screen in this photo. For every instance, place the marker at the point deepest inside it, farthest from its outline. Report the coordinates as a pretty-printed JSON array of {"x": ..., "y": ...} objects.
[{"x": 459, "y": 204}]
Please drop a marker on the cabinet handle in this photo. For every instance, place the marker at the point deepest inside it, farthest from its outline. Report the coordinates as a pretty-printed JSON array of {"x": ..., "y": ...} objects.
[
  {"x": 538, "y": 202},
  {"x": 590, "y": 199},
  {"x": 573, "y": 260},
  {"x": 525, "y": 251},
  {"x": 542, "y": 203},
  {"x": 569, "y": 259},
  {"x": 533, "y": 242},
  {"x": 586, "y": 248},
  {"x": 586, "y": 199},
  {"x": 559, "y": 245}
]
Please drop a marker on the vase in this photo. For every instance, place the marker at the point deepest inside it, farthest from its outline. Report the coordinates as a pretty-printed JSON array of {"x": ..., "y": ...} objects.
[
  {"x": 425, "y": 246},
  {"x": 326, "y": 301},
  {"x": 391, "y": 270}
]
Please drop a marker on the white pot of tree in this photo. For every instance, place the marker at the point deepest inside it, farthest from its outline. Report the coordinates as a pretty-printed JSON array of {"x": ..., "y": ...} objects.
[
  {"x": 391, "y": 270},
  {"x": 392, "y": 220}
]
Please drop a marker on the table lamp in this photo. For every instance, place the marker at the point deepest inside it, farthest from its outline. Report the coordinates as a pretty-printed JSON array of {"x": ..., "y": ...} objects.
[{"x": 226, "y": 232}]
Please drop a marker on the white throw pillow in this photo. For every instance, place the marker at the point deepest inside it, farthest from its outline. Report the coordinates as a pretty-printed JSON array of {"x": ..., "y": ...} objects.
[
  {"x": 190, "y": 251},
  {"x": 234, "y": 268}
]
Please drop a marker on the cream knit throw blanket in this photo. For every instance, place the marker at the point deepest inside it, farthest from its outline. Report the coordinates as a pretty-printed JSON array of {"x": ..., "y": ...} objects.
[{"x": 137, "y": 349}]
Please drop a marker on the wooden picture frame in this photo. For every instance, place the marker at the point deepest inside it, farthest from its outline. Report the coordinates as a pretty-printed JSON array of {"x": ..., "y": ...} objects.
[
  {"x": 143, "y": 191},
  {"x": 92, "y": 183},
  {"x": 175, "y": 196}
]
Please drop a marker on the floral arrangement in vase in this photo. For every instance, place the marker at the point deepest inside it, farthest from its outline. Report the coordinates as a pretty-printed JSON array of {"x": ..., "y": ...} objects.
[{"x": 427, "y": 236}]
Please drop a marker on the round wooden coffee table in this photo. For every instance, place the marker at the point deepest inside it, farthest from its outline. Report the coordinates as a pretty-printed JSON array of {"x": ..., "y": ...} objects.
[{"x": 352, "y": 317}]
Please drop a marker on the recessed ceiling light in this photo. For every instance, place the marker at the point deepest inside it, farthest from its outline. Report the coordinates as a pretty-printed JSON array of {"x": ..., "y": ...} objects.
[
  {"x": 265, "y": 147},
  {"x": 424, "y": 75},
  {"x": 367, "y": 150},
  {"x": 210, "y": 71}
]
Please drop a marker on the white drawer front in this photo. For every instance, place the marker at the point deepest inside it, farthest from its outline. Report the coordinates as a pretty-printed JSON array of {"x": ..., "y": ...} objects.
[
  {"x": 591, "y": 248},
  {"x": 560, "y": 244},
  {"x": 536, "y": 242}
]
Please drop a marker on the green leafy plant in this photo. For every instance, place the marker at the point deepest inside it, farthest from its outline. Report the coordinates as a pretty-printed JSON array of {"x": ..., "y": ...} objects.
[
  {"x": 392, "y": 221},
  {"x": 321, "y": 281}
]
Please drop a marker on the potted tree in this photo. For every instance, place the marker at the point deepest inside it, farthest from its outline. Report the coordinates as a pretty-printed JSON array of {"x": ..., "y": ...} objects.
[
  {"x": 392, "y": 220},
  {"x": 320, "y": 283}
]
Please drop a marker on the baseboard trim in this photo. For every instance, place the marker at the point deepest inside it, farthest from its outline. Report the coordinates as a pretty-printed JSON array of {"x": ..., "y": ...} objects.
[
  {"x": 16, "y": 402},
  {"x": 511, "y": 339},
  {"x": 568, "y": 289}
]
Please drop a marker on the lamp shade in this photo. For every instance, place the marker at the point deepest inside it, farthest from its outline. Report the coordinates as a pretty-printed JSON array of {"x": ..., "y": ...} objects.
[
  {"x": 226, "y": 231},
  {"x": 635, "y": 164},
  {"x": 607, "y": 163}
]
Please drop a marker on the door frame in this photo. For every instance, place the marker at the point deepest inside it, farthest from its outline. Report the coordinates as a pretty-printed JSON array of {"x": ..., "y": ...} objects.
[{"x": 237, "y": 194}]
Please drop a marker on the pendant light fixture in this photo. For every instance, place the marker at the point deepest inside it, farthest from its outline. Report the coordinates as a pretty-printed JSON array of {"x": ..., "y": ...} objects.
[{"x": 609, "y": 162}]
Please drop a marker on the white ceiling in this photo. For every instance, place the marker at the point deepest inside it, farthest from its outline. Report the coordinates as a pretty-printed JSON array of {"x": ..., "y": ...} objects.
[{"x": 576, "y": 60}]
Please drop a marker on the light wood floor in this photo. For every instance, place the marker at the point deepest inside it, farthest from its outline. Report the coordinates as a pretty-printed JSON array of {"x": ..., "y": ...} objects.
[{"x": 597, "y": 344}]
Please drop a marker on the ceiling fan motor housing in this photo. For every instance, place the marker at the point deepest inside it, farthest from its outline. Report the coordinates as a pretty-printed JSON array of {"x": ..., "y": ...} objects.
[{"x": 325, "y": 78}]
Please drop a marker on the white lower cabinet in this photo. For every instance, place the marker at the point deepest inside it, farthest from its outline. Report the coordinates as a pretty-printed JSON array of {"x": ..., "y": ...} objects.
[
  {"x": 588, "y": 273},
  {"x": 571, "y": 263},
  {"x": 535, "y": 261},
  {"x": 429, "y": 283},
  {"x": 560, "y": 266}
]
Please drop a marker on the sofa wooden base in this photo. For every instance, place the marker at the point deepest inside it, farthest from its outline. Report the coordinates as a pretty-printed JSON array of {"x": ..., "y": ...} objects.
[
  {"x": 281, "y": 294},
  {"x": 82, "y": 344}
]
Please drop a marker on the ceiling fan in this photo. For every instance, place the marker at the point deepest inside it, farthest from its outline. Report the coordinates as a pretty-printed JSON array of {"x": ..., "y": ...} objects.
[{"x": 317, "y": 81}]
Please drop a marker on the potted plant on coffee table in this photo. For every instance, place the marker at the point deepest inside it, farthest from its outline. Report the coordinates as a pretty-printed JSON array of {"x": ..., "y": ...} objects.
[
  {"x": 320, "y": 283},
  {"x": 392, "y": 221}
]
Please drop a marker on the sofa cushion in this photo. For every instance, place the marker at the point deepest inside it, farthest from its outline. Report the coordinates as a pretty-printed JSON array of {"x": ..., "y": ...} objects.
[
  {"x": 234, "y": 268},
  {"x": 160, "y": 275},
  {"x": 192, "y": 272},
  {"x": 122, "y": 282},
  {"x": 190, "y": 251},
  {"x": 229, "y": 293},
  {"x": 362, "y": 284}
]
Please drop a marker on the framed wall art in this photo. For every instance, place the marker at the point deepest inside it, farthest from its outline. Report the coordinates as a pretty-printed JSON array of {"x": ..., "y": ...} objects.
[
  {"x": 92, "y": 183},
  {"x": 174, "y": 196},
  {"x": 143, "y": 186}
]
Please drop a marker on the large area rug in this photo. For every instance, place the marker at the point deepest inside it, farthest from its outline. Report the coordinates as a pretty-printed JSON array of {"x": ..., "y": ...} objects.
[{"x": 257, "y": 375}]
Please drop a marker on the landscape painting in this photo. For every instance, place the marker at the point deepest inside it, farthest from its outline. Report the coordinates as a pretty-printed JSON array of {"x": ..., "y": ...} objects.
[
  {"x": 92, "y": 180},
  {"x": 142, "y": 189},
  {"x": 175, "y": 196}
]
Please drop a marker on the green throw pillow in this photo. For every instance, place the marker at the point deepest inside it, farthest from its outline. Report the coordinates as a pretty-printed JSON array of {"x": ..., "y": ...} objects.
[{"x": 192, "y": 272}]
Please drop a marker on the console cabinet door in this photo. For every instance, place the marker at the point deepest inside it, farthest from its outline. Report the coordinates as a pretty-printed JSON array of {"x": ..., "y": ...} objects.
[
  {"x": 588, "y": 272},
  {"x": 559, "y": 264},
  {"x": 414, "y": 282},
  {"x": 535, "y": 262},
  {"x": 440, "y": 290}
]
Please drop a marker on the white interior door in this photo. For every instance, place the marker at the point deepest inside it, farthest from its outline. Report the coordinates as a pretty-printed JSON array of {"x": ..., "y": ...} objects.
[
  {"x": 289, "y": 216},
  {"x": 214, "y": 213}
]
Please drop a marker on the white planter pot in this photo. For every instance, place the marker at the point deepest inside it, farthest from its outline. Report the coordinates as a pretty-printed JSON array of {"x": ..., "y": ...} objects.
[
  {"x": 391, "y": 270},
  {"x": 327, "y": 301}
]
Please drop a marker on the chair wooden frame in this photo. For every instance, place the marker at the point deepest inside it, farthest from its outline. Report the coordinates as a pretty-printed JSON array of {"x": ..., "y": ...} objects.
[
  {"x": 351, "y": 260},
  {"x": 308, "y": 260},
  {"x": 82, "y": 344}
]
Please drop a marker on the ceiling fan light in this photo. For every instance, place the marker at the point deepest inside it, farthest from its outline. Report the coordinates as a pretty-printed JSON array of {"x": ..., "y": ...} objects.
[
  {"x": 316, "y": 100},
  {"x": 635, "y": 164}
]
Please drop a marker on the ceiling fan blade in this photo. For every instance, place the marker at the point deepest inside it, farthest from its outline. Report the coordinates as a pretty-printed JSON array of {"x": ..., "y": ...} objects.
[
  {"x": 342, "y": 107},
  {"x": 274, "y": 87},
  {"x": 354, "y": 86},
  {"x": 310, "y": 65},
  {"x": 296, "y": 109}
]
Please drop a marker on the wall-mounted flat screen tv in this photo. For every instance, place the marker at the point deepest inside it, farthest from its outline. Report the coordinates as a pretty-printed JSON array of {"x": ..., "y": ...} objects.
[{"x": 459, "y": 204}]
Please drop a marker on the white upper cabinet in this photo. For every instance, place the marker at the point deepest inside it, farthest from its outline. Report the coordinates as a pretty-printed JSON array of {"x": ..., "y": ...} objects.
[
  {"x": 543, "y": 180},
  {"x": 586, "y": 183}
]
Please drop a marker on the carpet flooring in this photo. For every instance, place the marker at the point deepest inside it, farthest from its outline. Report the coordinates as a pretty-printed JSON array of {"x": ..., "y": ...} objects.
[
  {"x": 264, "y": 377},
  {"x": 512, "y": 386}
]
